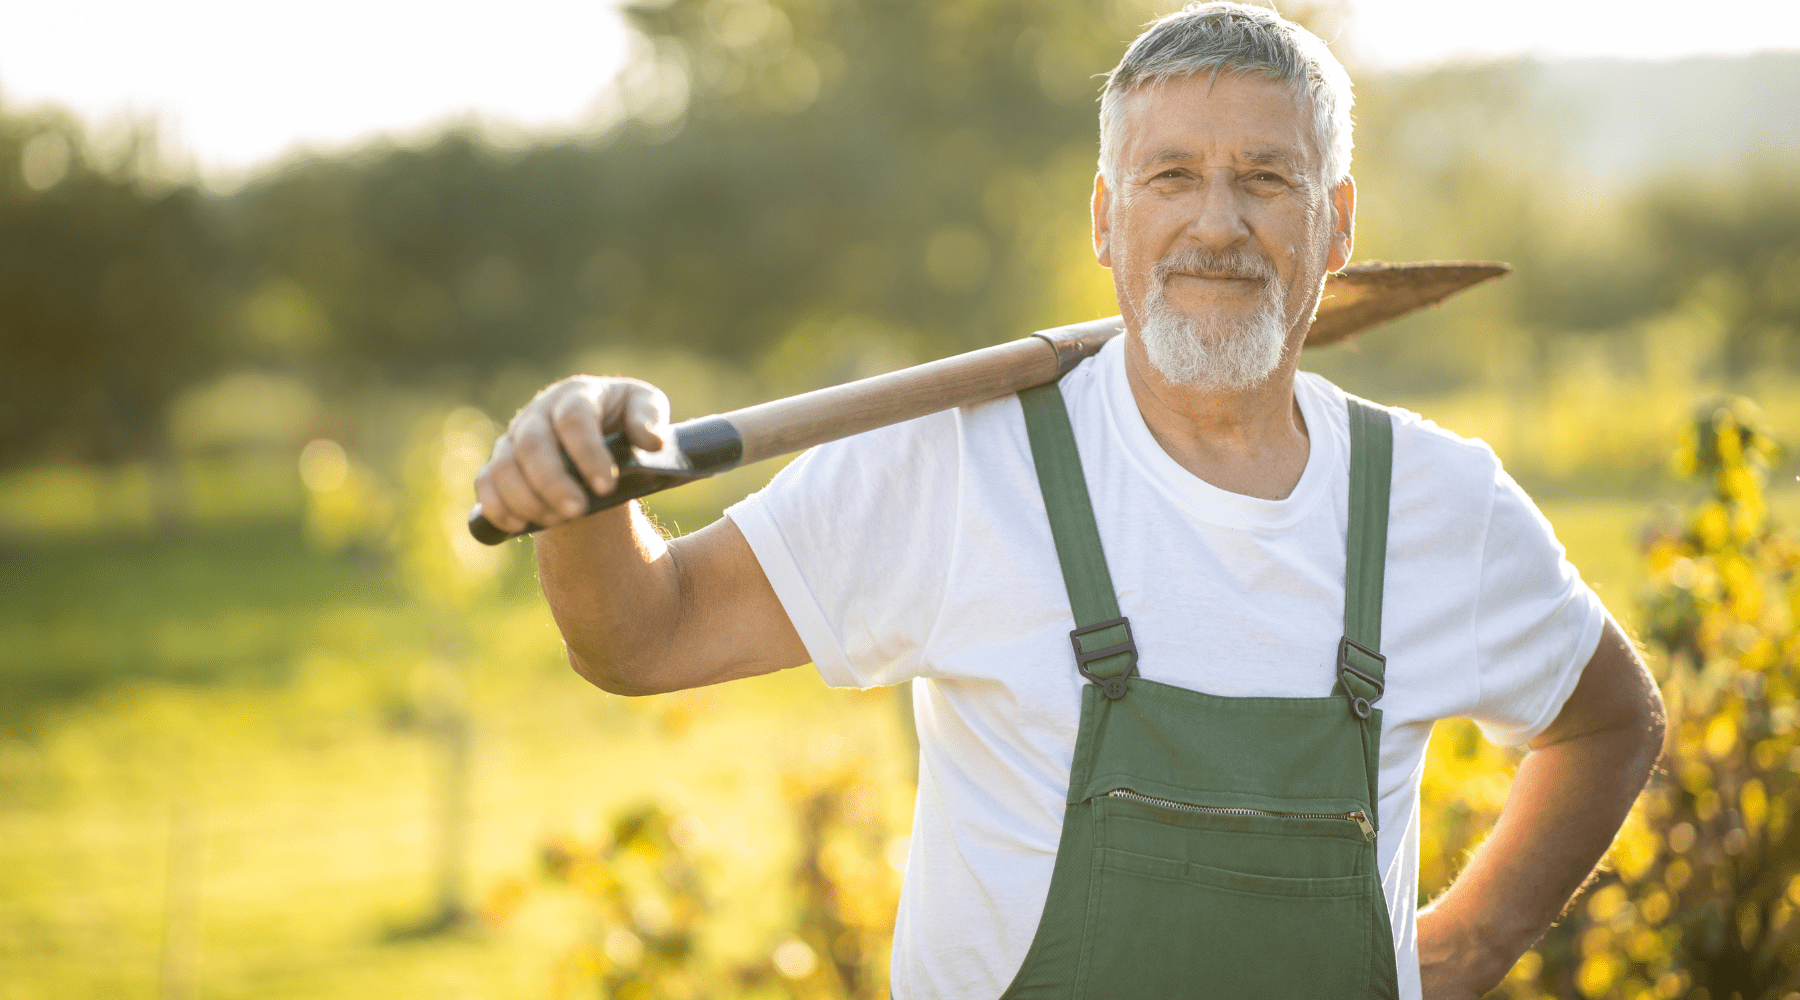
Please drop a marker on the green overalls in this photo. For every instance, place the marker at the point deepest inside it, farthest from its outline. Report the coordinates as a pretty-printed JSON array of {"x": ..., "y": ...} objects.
[{"x": 1214, "y": 847}]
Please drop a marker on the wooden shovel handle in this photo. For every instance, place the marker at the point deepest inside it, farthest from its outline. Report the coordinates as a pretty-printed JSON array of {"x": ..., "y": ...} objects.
[
  {"x": 799, "y": 422},
  {"x": 1355, "y": 298},
  {"x": 707, "y": 446}
]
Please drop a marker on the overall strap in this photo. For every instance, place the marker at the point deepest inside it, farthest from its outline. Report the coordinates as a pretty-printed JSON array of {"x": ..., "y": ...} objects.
[
  {"x": 1104, "y": 650},
  {"x": 1361, "y": 667}
]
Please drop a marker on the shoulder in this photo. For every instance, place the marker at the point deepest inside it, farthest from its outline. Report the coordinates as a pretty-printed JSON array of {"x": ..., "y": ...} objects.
[
  {"x": 1434, "y": 467},
  {"x": 1417, "y": 440},
  {"x": 1091, "y": 391}
]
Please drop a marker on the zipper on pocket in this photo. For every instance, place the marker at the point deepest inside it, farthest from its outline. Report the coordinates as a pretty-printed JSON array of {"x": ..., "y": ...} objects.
[{"x": 1358, "y": 817}]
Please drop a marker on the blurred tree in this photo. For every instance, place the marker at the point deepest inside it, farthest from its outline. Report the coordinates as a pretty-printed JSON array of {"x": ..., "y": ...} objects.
[
  {"x": 848, "y": 889},
  {"x": 790, "y": 169},
  {"x": 449, "y": 573},
  {"x": 110, "y": 291},
  {"x": 1731, "y": 244},
  {"x": 1476, "y": 161},
  {"x": 1455, "y": 163}
]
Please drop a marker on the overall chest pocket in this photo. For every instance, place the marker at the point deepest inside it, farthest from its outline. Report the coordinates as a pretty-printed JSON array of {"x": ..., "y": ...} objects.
[{"x": 1187, "y": 901}]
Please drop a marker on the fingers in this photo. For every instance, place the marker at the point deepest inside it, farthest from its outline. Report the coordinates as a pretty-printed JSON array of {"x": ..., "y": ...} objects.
[
  {"x": 576, "y": 419},
  {"x": 492, "y": 507},
  {"x": 507, "y": 499},
  {"x": 646, "y": 416},
  {"x": 637, "y": 409},
  {"x": 538, "y": 455},
  {"x": 526, "y": 479}
]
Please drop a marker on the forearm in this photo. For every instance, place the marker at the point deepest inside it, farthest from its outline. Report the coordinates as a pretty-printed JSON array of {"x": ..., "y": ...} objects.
[
  {"x": 638, "y": 613},
  {"x": 1568, "y": 799},
  {"x": 614, "y": 588},
  {"x": 1566, "y": 804}
]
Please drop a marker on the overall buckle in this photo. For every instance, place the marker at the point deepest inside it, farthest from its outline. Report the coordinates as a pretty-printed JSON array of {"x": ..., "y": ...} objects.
[
  {"x": 1360, "y": 705},
  {"x": 1112, "y": 687}
]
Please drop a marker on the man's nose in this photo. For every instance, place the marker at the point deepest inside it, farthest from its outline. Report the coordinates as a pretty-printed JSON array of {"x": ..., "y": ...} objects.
[{"x": 1217, "y": 222}]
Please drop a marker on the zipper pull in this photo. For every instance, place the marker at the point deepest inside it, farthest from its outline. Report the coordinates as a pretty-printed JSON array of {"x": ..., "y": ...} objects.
[{"x": 1362, "y": 820}]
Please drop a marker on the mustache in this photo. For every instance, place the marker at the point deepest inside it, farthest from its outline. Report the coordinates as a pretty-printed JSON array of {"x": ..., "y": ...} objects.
[{"x": 1238, "y": 262}]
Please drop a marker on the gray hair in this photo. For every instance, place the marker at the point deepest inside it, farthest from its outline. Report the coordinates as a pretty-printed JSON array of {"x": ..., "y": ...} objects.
[{"x": 1234, "y": 38}]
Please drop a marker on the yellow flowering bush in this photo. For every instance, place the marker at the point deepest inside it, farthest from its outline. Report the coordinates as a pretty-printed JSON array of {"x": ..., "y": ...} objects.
[
  {"x": 644, "y": 888},
  {"x": 1701, "y": 893}
]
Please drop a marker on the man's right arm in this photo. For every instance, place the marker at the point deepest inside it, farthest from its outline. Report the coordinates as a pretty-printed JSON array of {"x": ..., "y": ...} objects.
[{"x": 639, "y": 614}]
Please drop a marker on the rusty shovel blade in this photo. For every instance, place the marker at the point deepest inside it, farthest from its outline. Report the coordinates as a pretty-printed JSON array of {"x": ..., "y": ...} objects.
[{"x": 1364, "y": 295}]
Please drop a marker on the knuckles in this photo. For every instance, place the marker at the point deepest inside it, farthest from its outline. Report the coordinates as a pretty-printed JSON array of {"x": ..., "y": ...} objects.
[
  {"x": 572, "y": 412},
  {"x": 567, "y": 412},
  {"x": 572, "y": 415},
  {"x": 532, "y": 446}
]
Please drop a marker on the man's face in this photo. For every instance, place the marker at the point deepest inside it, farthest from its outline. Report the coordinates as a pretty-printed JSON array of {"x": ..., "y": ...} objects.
[{"x": 1219, "y": 227}]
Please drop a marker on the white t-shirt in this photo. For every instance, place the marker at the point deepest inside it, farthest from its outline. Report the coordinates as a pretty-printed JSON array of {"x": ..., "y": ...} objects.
[{"x": 921, "y": 552}]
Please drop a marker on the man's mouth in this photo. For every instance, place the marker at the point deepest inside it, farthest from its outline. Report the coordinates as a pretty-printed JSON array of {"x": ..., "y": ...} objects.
[
  {"x": 1237, "y": 265},
  {"x": 1216, "y": 276}
]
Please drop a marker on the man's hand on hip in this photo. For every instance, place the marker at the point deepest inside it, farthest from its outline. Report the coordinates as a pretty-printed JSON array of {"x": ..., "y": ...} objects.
[{"x": 1570, "y": 795}]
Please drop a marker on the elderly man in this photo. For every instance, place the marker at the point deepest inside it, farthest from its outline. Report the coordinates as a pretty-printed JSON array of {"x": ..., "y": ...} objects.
[{"x": 1178, "y": 627}]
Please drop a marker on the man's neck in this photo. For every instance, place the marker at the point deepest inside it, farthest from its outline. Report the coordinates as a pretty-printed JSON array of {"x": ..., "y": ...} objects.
[{"x": 1252, "y": 442}]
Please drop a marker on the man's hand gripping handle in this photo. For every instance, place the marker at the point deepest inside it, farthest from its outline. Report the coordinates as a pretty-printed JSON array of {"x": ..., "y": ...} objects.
[{"x": 701, "y": 448}]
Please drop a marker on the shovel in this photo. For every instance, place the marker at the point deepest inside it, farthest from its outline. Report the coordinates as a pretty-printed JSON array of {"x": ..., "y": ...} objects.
[{"x": 1356, "y": 298}]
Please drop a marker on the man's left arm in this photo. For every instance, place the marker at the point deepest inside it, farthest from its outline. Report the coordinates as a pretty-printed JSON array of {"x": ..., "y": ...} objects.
[{"x": 1568, "y": 799}]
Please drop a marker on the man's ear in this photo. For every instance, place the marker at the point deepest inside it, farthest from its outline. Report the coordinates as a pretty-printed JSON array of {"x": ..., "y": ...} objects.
[
  {"x": 1102, "y": 213},
  {"x": 1343, "y": 224}
]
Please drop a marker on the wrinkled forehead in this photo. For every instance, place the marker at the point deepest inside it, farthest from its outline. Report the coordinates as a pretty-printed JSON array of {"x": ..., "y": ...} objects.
[{"x": 1246, "y": 112}]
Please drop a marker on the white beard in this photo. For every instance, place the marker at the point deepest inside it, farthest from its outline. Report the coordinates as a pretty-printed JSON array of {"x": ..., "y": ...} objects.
[{"x": 1210, "y": 351}]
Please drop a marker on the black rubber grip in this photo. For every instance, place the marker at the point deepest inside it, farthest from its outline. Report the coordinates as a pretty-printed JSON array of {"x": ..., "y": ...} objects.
[{"x": 702, "y": 448}]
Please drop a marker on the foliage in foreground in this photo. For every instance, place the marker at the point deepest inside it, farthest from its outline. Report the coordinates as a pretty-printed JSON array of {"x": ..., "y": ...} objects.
[
  {"x": 644, "y": 888},
  {"x": 1701, "y": 894}
]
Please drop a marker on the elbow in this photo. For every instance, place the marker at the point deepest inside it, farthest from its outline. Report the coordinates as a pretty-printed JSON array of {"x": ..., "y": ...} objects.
[
  {"x": 1658, "y": 719},
  {"x": 1641, "y": 708},
  {"x": 1643, "y": 728},
  {"x": 1655, "y": 723},
  {"x": 612, "y": 676},
  {"x": 1653, "y": 716}
]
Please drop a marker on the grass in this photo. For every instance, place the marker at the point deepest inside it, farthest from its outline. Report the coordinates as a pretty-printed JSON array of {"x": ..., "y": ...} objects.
[
  {"x": 252, "y": 721},
  {"x": 227, "y": 605}
]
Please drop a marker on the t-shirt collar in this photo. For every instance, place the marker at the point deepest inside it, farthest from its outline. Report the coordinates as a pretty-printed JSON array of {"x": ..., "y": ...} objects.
[{"x": 1139, "y": 446}]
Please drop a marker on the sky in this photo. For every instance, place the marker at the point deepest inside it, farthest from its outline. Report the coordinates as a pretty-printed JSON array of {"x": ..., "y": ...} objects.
[
  {"x": 233, "y": 85},
  {"x": 1407, "y": 33}
]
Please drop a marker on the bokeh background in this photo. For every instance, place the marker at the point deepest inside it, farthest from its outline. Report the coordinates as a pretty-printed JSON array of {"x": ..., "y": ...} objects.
[{"x": 270, "y": 726}]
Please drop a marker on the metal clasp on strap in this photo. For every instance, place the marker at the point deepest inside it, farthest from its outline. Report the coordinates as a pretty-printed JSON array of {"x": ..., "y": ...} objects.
[
  {"x": 1112, "y": 687},
  {"x": 1361, "y": 701}
]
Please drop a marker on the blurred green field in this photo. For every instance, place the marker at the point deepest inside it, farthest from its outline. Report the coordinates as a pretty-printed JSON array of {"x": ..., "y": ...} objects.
[
  {"x": 219, "y": 774},
  {"x": 218, "y": 765}
]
